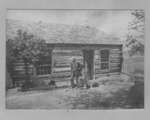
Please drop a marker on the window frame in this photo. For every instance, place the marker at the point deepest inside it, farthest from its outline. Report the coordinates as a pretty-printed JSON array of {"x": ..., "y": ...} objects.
[
  {"x": 105, "y": 70},
  {"x": 43, "y": 65}
]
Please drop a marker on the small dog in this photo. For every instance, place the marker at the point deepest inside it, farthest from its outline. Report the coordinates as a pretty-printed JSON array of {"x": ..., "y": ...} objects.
[{"x": 52, "y": 84}]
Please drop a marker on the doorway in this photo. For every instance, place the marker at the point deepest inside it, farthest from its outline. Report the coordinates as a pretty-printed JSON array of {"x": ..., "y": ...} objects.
[{"x": 88, "y": 56}]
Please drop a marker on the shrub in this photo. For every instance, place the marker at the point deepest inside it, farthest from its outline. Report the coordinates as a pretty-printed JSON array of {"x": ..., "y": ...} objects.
[{"x": 136, "y": 95}]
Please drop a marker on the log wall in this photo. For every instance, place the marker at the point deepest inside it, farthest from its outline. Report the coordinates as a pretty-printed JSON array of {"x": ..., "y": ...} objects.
[
  {"x": 115, "y": 61},
  {"x": 19, "y": 72},
  {"x": 61, "y": 60}
]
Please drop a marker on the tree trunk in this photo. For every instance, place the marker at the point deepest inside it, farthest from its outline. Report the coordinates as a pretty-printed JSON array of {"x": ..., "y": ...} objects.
[{"x": 27, "y": 76}]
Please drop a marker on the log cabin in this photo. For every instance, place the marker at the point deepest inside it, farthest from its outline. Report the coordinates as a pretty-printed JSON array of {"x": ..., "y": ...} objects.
[{"x": 101, "y": 52}]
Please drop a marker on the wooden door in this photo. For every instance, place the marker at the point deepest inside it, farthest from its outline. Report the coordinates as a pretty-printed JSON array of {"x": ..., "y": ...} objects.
[{"x": 89, "y": 63}]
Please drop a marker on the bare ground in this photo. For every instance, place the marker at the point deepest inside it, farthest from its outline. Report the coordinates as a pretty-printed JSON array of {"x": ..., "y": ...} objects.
[{"x": 111, "y": 95}]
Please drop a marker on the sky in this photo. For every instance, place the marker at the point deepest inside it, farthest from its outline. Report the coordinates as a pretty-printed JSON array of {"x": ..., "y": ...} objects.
[{"x": 110, "y": 21}]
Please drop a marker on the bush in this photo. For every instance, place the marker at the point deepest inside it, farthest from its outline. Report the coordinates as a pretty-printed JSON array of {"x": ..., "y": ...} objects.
[
  {"x": 27, "y": 85},
  {"x": 136, "y": 95}
]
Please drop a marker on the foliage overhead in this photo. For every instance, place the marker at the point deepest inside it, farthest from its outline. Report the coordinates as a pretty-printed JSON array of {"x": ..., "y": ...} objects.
[
  {"x": 62, "y": 33},
  {"x": 25, "y": 47},
  {"x": 135, "y": 37}
]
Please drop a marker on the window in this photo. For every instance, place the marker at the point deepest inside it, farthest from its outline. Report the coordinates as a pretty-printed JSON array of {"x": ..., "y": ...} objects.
[
  {"x": 43, "y": 66},
  {"x": 43, "y": 69},
  {"x": 104, "y": 54}
]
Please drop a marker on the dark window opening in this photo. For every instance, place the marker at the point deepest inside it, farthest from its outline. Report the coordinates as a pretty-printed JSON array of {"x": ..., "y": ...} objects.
[
  {"x": 43, "y": 69},
  {"x": 43, "y": 66},
  {"x": 104, "y": 59}
]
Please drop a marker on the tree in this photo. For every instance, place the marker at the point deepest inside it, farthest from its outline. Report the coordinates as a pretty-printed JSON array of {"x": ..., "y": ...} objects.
[
  {"x": 25, "y": 47},
  {"x": 135, "y": 37}
]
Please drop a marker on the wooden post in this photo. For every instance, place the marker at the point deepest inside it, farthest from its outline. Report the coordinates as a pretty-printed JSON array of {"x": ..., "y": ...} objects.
[
  {"x": 94, "y": 65},
  {"x": 34, "y": 71},
  {"x": 121, "y": 59},
  {"x": 52, "y": 61}
]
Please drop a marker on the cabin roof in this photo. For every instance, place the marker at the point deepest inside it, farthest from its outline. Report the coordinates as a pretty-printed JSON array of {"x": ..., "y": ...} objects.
[
  {"x": 82, "y": 36},
  {"x": 79, "y": 34},
  {"x": 63, "y": 34}
]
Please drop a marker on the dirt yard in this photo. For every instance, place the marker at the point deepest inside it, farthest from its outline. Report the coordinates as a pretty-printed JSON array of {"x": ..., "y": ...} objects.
[{"x": 111, "y": 95}]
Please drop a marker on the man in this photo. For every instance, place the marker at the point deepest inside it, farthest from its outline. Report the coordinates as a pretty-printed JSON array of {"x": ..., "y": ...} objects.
[
  {"x": 73, "y": 72},
  {"x": 79, "y": 74}
]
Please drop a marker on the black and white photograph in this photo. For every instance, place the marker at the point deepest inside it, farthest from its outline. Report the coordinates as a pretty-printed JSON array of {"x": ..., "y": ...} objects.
[{"x": 83, "y": 59}]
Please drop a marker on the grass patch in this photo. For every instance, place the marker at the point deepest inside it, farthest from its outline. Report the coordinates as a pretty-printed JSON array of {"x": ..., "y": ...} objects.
[{"x": 132, "y": 98}]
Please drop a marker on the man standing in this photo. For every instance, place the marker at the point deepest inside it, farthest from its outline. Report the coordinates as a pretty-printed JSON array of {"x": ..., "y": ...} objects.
[
  {"x": 73, "y": 72},
  {"x": 79, "y": 74}
]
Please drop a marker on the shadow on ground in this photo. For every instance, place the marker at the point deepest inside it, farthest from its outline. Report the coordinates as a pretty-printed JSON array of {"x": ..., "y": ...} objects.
[{"x": 112, "y": 95}]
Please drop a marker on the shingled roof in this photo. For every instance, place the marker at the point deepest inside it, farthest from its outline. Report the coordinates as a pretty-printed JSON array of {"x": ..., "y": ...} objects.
[{"x": 60, "y": 33}]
